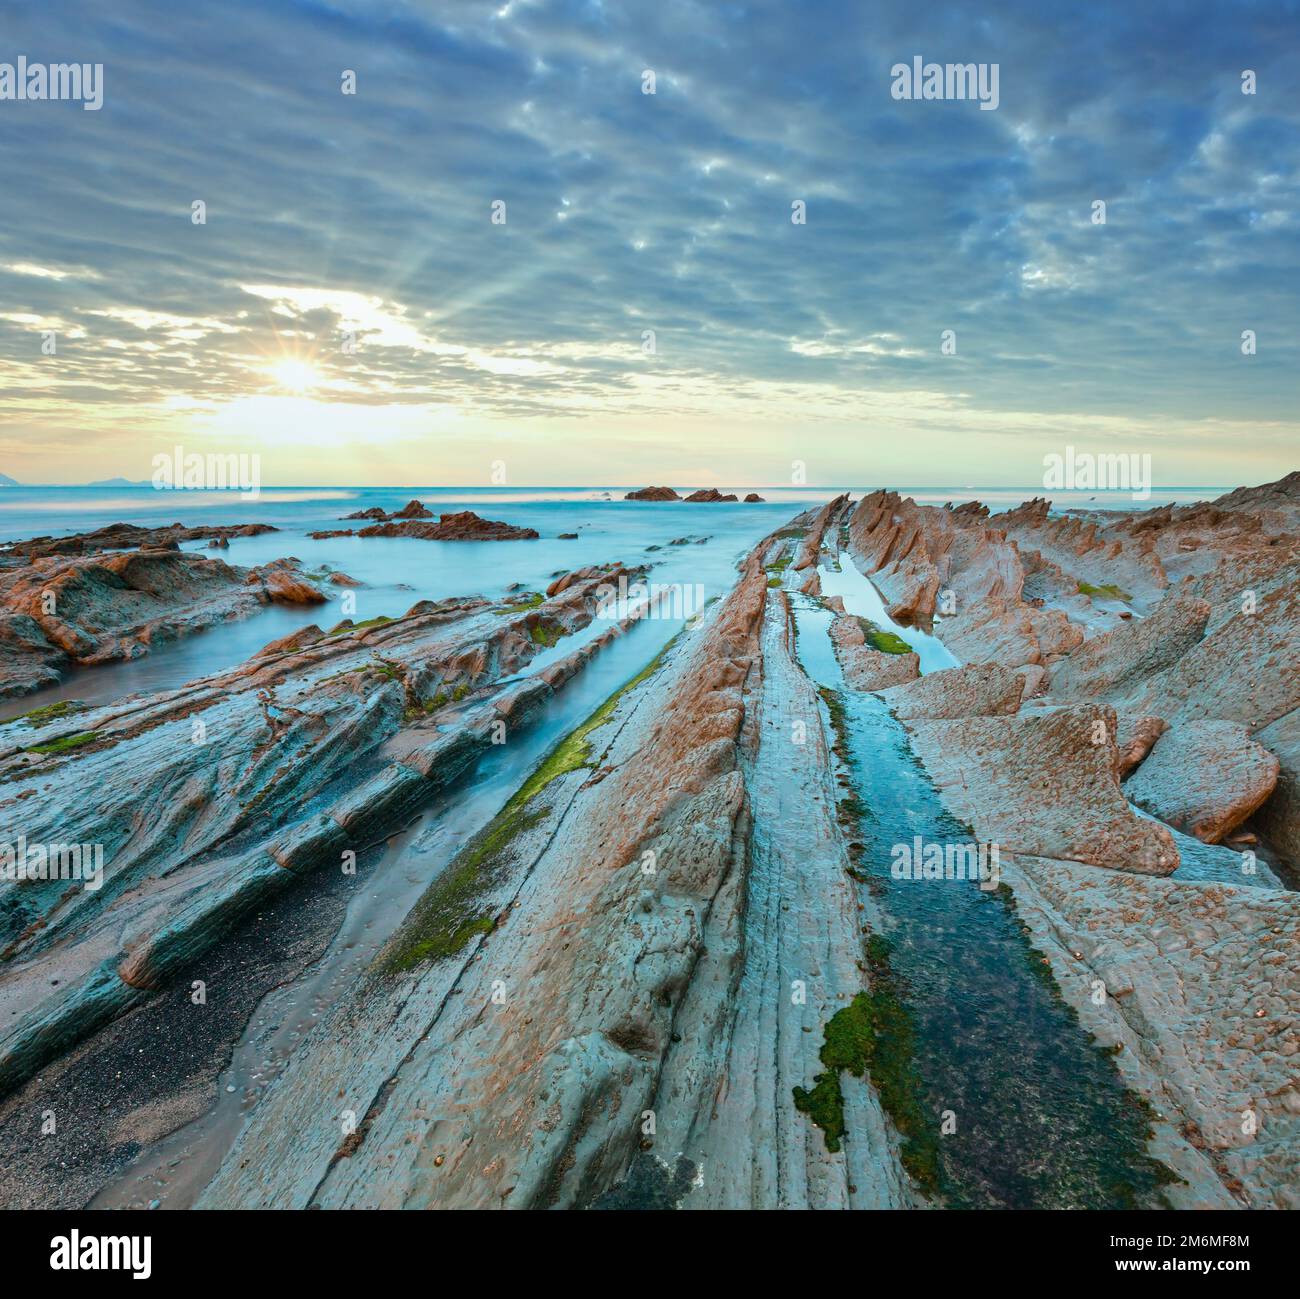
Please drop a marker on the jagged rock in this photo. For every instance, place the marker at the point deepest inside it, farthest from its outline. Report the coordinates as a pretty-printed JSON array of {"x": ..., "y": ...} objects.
[
  {"x": 653, "y": 494},
  {"x": 976, "y": 690},
  {"x": 1276, "y": 503},
  {"x": 1045, "y": 784},
  {"x": 710, "y": 495},
  {"x": 1204, "y": 778},
  {"x": 806, "y": 552},
  {"x": 753, "y": 498},
  {"x": 117, "y": 604},
  {"x": 911, "y": 551},
  {"x": 411, "y": 510},
  {"x": 463, "y": 525},
  {"x": 285, "y": 585},
  {"x": 1110, "y": 665}
]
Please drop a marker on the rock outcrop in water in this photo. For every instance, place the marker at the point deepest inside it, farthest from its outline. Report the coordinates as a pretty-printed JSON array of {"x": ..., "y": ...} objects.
[
  {"x": 710, "y": 495},
  {"x": 652, "y": 494},
  {"x": 125, "y": 536},
  {"x": 670, "y": 912},
  {"x": 317, "y": 746},
  {"x": 462, "y": 525},
  {"x": 71, "y": 604},
  {"x": 411, "y": 510}
]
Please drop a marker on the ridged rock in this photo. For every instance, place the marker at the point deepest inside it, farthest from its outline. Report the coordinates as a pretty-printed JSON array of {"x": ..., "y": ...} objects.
[
  {"x": 1204, "y": 778},
  {"x": 1045, "y": 784}
]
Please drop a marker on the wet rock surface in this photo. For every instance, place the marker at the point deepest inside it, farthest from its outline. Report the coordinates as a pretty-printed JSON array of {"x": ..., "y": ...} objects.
[
  {"x": 314, "y": 748},
  {"x": 75, "y": 605},
  {"x": 624, "y": 935}
]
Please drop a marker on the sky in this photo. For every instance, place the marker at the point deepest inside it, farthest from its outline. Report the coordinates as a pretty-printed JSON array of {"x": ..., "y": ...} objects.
[{"x": 520, "y": 352}]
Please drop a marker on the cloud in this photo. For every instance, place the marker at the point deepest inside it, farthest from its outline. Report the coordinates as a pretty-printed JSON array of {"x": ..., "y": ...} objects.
[{"x": 369, "y": 214}]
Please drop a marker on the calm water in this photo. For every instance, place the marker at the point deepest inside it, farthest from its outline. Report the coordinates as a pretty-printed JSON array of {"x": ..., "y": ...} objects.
[
  {"x": 1042, "y": 1120},
  {"x": 397, "y": 572}
]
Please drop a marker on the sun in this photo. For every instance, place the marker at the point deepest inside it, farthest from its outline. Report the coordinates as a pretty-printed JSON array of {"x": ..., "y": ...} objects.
[{"x": 294, "y": 376}]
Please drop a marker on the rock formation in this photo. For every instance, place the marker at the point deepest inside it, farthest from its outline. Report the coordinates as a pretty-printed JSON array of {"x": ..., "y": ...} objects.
[
  {"x": 72, "y": 605},
  {"x": 462, "y": 525}
]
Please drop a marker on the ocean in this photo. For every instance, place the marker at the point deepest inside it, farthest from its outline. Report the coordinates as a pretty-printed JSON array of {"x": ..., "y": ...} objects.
[{"x": 398, "y": 572}]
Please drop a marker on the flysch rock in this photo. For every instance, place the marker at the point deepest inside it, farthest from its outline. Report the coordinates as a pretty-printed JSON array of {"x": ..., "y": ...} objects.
[
  {"x": 344, "y": 730},
  {"x": 864, "y": 666},
  {"x": 1204, "y": 778},
  {"x": 1045, "y": 784},
  {"x": 912, "y": 552},
  {"x": 974, "y": 690},
  {"x": 805, "y": 555},
  {"x": 76, "y": 605},
  {"x": 1202, "y": 995},
  {"x": 516, "y": 1071},
  {"x": 1280, "y": 816}
]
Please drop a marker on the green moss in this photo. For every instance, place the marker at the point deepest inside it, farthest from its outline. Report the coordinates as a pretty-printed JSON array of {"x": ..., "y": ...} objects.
[
  {"x": 64, "y": 743},
  {"x": 1110, "y": 590},
  {"x": 52, "y": 712},
  {"x": 773, "y": 583},
  {"x": 873, "y": 1036},
  {"x": 522, "y": 605},
  {"x": 347, "y": 626},
  {"x": 546, "y": 633},
  {"x": 888, "y": 642},
  {"x": 451, "y": 911}
]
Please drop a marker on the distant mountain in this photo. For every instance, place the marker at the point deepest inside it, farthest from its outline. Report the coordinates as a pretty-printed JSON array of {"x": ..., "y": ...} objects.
[
  {"x": 118, "y": 482},
  {"x": 6, "y": 481}
]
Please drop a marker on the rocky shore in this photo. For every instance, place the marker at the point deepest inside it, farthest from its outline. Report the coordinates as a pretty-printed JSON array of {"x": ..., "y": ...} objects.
[
  {"x": 650, "y": 978},
  {"x": 113, "y": 593}
]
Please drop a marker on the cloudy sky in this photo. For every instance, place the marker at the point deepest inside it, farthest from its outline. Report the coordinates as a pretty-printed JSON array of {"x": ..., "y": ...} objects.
[{"x": 626, "y": 212}]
